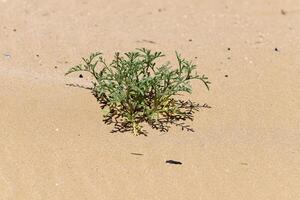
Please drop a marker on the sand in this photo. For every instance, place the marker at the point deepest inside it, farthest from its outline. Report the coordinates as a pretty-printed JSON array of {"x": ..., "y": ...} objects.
[{"x": 54, "y": 145}]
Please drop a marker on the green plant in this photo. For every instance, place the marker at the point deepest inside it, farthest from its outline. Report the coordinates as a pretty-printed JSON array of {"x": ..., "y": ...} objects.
[{"x": 135, "y": 90}]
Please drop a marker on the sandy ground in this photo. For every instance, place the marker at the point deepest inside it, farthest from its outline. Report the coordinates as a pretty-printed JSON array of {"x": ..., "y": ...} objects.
[{"x": 53, "y": 144}]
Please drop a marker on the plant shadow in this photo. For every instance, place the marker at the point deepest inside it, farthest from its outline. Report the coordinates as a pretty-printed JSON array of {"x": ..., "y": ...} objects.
[
  {"x": 115, "y": 118},
  {"x": 187, "y": 108}
]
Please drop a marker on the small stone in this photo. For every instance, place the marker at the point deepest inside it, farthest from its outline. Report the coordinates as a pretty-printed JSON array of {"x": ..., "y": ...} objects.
[
  {"x": 15, "y": 30},
  {"x": 276, "y": 49},
  {"x": 159, "y": 10},
  {"x": 190, "y": 40},
  {"x": 228, "y": 49},
  {"x": 174, "y": 162},
  {"x": 226, "y": 75},
  {"x": 228, "y": 58},
  {"x": 37, "y": 55},
  {"x": 55, "y": 67},
  {"x": 196, "y": 57},
  {"x": 137, "y": 154},
  {"x": 80, "y": 76},
  {"x": 7, "y": 56},
  {"x": 283, "y": 12}
]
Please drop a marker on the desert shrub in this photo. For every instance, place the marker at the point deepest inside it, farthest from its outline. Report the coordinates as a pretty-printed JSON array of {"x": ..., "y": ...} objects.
[{"x": 136, "y": 90}]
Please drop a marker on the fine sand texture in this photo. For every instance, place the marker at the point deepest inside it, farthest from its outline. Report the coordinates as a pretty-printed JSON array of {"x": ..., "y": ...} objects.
[{"x": 54, "y": 145}]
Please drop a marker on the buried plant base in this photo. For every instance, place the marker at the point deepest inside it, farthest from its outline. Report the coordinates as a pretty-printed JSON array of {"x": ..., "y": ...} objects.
[{"x": 135, "y": 90}]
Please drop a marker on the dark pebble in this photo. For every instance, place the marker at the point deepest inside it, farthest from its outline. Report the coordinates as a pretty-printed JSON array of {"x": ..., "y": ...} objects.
[
  {"x": 276, "y": 49},
  {"x": 228, "y": 49},
  {"x": 283, "y": 12},
  {"x": 15, "y": 30},
  {"x": 190, "y": 40},
  {"x": 137, "y": 154},
  {"x": 37, "y": 55},
  {"x": 196, "y": 57},
  {"x": 226, "y": 75},
  {"x": 80, "y": 76},
  {"x": 228, "y": 58},
  {"x": 55, "y": 67},
  {"x": 174, "y": 162}
]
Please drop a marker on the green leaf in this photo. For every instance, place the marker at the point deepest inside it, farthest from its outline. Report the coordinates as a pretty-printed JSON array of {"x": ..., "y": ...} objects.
[{"x": 74, "y": 69}]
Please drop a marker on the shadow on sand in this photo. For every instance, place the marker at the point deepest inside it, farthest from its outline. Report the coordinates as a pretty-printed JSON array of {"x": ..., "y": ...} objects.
[{"x": 114, "y": 117}]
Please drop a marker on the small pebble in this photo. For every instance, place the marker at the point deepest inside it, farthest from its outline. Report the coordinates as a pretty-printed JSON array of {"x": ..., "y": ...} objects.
[
  {"x": 226, "y": 75},
  {"x": 7, "y": 56},
  {"x": 276, "y": 49},
  {"x": 37, "y": 55},
  {"x": 283, "y": 12},
  {"x": 196, "y": 57},
  {"x": 55, "y": 67},
  {"x": 228, "y": 58},
  {"x": 80, "y": 76},
  {"x": 244, "y": 163},
  {"x": 159, "y": 10},
  {"x": 228, "y": 49},
  {"x": 137, "y": 154},
  {"x": 173, "y": 162},
  {"x": 190, "y": 40},
  {"x": 15, "y": 30}
]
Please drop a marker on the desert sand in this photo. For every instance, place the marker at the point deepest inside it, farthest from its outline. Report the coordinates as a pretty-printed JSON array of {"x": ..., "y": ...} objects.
[{"x": 54, "y": 145}]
